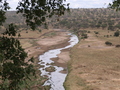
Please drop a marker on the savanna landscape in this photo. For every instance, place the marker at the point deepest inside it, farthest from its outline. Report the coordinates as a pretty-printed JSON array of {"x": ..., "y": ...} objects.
[{"x": 92, "y": 64}]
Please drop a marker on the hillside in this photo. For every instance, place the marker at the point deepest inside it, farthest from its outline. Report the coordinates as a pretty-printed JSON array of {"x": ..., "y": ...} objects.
[
  {"x": 89, "y": 18},
  {"x": 76, "y": 19}
]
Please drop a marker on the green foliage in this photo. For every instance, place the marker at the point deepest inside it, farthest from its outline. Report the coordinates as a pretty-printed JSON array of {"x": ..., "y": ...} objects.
[
  {"x": 36, "y": 11},
  {"x": 3, "y": 7},
  {"x": 115, "y": 5},
  {"x": 2, "y": 17},
  {"x": 12, "y": 59},
  {"x": 15, "y": 69}
]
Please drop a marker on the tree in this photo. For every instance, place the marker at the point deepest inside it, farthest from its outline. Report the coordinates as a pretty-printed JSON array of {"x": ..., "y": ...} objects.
[
  {"x": 12, "y": 57},
  {"x": 115, "y": 5},
  {"x": 36, "y": 11},
  {"x": 104, "y": 26},
  {"x": 117, "y": 33},
  {"x": 13, "y": 68}
]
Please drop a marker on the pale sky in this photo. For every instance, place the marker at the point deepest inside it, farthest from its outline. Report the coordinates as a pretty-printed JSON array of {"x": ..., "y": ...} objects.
[{"x": 74, "y": 3}]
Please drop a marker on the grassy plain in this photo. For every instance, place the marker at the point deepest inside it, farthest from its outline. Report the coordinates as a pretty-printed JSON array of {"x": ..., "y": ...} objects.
[{"x": 94, "y": 65}]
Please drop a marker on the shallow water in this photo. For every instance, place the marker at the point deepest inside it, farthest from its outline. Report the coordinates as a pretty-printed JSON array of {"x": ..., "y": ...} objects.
[{"x": 56, "y": 79}]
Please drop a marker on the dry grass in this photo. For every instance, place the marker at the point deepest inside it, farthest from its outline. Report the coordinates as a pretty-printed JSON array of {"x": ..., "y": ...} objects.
[
  {"x": 29, "y": 39},
  {"x": 96, "y": 67},
  {"x": 103, "y": 36}
]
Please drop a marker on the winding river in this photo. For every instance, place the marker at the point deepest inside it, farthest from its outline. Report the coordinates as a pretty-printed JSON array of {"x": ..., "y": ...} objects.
[{"x": 56, "y": 79}]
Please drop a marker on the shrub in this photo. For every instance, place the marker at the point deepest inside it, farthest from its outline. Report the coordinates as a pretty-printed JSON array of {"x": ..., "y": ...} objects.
[
  {"x": 84, "y": 35},
  {"x": 88, "y": 45},
  {"x": 107, "y": 36},
  {"x": 96, "y": 32},
  {"x": 118, "y": 45},
  {"x": 88, "y": 31},
  {"x": 117, "y": 33},
  {"x": 108, "y": 43}
]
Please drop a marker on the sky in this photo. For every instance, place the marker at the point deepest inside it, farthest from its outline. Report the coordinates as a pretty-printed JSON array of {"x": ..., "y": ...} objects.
[{"x": 74, "y": 3}]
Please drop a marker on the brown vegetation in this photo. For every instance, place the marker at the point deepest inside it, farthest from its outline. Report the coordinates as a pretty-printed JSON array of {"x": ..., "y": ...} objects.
[{"x": 95, "y": 67}]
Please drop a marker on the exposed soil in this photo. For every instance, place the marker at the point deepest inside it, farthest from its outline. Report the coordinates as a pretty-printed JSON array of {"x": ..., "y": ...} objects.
[{"x": 44, "y": 44}]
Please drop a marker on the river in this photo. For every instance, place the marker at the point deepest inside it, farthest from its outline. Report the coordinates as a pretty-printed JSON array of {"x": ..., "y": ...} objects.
[{"x": 56, "y": 79}]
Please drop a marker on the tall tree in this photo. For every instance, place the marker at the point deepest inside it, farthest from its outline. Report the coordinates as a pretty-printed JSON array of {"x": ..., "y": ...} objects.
[{"x": 14, "y": 70}]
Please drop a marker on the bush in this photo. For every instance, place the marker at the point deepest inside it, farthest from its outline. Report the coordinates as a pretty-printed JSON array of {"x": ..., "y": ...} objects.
[
  {"x": 118, "y": 45},
  {"x": 84, "y": 35},
  {"x": 96, "y": 32},
  {"x": 108, "y": 43},
  {"x": 117, "y": 33},
  {"x": 88, "y": 31},
  {"x": 107, "y": 36}
]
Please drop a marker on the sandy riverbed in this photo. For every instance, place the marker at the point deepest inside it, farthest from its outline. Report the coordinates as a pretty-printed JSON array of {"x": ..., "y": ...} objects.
[{"x": 47, "y": 43}]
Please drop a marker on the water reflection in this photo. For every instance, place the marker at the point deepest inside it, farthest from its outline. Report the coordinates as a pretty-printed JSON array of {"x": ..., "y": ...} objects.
[{"x": 56, "y": 79}]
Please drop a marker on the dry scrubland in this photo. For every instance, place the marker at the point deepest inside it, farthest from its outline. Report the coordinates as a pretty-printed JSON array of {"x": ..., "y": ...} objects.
[{"x": 94, "y": 65}]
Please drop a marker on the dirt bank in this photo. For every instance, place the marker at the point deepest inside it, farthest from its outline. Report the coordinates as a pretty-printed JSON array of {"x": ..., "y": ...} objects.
[
  {"x": 47, "y": 42},
  {"x": 36, "y": 43}
]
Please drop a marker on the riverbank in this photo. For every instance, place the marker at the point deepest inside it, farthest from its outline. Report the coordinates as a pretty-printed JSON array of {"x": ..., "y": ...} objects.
[
  {"x": 36, "y": 44},
  {"x": 56, "y": 74},
  {"x": 45, "y": 42},
  {"x": 94, "y": 65}
]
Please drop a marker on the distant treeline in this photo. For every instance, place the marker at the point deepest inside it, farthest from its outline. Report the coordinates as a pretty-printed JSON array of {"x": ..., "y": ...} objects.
[
  {"x": 76, "y": 19},
  {"x": 89, "y": 18}
]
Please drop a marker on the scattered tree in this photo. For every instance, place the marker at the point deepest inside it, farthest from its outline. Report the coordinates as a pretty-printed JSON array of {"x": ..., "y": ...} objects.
[{"x": 117, "y": 33}]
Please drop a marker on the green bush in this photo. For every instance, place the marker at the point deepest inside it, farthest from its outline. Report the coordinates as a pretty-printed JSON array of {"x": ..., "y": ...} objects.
[
  {"x": 108, "y": 43},
  {"x": 96, "y": 32},
  {"x": 117, "y": 33},
  {"x": 84, "y": 35}
]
